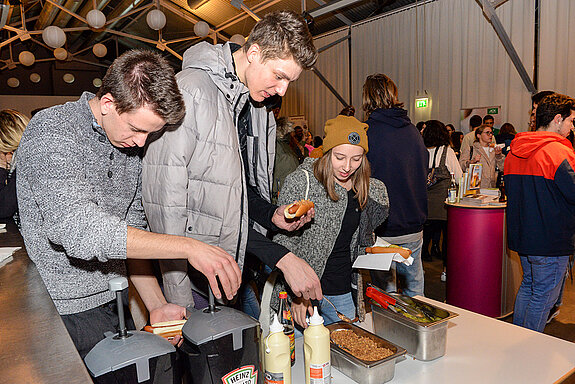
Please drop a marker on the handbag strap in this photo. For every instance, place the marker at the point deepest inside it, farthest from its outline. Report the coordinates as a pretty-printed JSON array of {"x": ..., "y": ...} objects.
[
  {"x": 265, "y": 303},
  {"x": 434, "y": 157},
  {"x": 307, "y": 186},
  {"x": 443, "y": 156}
]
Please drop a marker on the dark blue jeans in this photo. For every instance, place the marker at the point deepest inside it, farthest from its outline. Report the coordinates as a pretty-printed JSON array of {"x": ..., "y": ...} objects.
[{"x": 542, "y": 280}]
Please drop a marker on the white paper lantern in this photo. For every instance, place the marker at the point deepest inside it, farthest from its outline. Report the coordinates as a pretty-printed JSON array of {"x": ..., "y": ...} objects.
[
  {"x": 97, "y": 82},
  {"x": 35, "y": 78},
  {"x": 96, "y": 19},
  {"x": 156, "y": 19},
  {"x": 201, "y": 29},
  {"x": 54, "y": 36},
  {"x": 238, "y": 39},
  {"x": 99, "y": 50},
  {"x": 13, "y": 82},
  {"x": 26, "y": 58},
  {"x": 60, "y": 53},
  {"x": 68, "y": 78}
]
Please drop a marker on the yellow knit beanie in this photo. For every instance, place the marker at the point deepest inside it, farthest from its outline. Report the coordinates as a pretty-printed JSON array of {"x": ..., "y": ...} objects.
[{"x": 345, "y": 130}]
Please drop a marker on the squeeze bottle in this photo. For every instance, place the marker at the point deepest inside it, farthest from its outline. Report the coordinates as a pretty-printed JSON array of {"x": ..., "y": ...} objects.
[
  {"x": 277, "y": 355},
  {"x": 316, "y": 351}
]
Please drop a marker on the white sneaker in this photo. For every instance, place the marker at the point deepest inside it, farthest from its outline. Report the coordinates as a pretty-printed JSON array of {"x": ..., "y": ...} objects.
[
  {"x": 553, "y": 314},
  {"x": 443, "y": 276}
]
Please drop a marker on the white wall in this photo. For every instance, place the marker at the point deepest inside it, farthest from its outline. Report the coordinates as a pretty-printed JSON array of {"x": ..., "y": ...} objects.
[
  {"x": 308, "y": 96},
  {"x": 462, "y": 62},
  {"x": 557, "y": 50},
  {"x": 26, "y": 104},
  {"x": 446, "y": 47}
]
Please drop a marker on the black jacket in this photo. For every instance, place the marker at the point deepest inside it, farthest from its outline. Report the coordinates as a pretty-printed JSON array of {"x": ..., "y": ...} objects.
[
  {"x": 8, "y": 202},
  {"x": 399, "y": 158}
]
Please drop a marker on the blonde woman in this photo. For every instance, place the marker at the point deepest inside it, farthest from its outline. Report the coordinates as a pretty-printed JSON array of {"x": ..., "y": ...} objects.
[
  {"x": 348, "y": 207},
  {"x": 12, "y": 125}
]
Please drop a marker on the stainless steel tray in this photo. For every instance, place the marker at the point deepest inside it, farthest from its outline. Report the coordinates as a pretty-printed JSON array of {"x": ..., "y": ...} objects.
[
  {"x": 424, "y": 341},
  {"x": 361, "y": 371}
]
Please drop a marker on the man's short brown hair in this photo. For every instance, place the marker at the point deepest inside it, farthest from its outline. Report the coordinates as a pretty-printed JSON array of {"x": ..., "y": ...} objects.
[
  {"x": 551, "y": 106},
  {"x": 283, "y": 35},
  {"x": 141, "y": 78}
]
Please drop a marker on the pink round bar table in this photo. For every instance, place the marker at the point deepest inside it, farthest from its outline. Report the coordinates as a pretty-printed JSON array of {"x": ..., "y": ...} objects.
[{"x": 475, "y": 257}]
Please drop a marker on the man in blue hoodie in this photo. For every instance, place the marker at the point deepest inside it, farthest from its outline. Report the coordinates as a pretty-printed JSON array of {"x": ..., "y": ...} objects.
[{"x": 399, "y": 158}]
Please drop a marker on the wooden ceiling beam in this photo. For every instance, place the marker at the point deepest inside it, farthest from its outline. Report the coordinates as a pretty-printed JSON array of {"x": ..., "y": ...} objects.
[
  {"x": 244, "y": 15},
  {"x": 63, "y": 17},
  {"x": 186, "y": 15},
  {"x": 47, "y": 15}
]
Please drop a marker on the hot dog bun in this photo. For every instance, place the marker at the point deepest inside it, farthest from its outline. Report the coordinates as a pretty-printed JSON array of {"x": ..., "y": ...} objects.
[
  {"x": 166, "y": 329},
  {"x": 404, "y": 252},
  {"x": 297, "y": 209}
]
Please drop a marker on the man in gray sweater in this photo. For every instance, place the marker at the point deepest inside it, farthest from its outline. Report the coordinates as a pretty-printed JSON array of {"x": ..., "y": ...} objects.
[{"x": 79, "y": 192}]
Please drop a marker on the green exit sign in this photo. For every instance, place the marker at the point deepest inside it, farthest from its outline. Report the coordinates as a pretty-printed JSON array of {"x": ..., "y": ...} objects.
[
  {"x": 421, "y": 103},
  {"x": 492, "y": 111}
]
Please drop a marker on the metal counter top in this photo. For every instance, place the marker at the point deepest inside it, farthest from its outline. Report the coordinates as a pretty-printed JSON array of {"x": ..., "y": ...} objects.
[{"x": 34, "y": 344}]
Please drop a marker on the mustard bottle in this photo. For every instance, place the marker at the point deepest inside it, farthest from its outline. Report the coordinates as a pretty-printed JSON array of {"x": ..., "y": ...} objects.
[
  {"x": 316, "y": 351},
  {"x": 277, "y": 355}
]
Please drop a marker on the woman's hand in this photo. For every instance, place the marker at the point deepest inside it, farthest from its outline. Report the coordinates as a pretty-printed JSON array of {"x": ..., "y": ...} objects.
[
  {"x": 300, "y": 307},
  {"x": 475, "y": 159},
  {"x": 498, "y": 150},
  {"x": 290, "y": 225}
]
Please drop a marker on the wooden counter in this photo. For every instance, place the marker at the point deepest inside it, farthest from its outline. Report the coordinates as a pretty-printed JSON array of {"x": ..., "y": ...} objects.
[{"x": 35, "y": 346}]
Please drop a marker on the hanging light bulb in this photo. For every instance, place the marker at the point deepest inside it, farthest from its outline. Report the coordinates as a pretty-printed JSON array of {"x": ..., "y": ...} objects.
[
  {"x": 26, "y": 58},
  {"x": 238, "y": 39},
  {"x": 68, "y": 78},
  {"x": 60, "y": 53},
  {"x": 99, "y": 50},
  {"x": 156, "y": 19},
  {"x": 13, "y": 82},
  {"x": 201, "y": 29},
  {"x": 54, "y": 36},
  {"x": 96, "y": 19},
  {"x": 35, "y": 78}
]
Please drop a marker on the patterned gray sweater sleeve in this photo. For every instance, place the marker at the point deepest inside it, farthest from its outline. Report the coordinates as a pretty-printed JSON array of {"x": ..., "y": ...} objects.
[{"x": 76, "y": 194}]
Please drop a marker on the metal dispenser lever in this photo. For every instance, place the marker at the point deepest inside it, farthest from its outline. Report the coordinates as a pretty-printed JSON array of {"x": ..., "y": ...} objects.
[{"x": 118, "y": 284}]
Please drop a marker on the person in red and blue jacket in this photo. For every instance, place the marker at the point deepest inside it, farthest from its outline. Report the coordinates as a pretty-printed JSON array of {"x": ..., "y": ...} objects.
[{"x": 540, "y": 186}]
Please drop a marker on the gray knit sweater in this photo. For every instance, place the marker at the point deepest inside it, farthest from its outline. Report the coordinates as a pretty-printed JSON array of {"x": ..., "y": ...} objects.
[
  {"x": 315, "y": 242},
  {"x": 76, "y": 194}
]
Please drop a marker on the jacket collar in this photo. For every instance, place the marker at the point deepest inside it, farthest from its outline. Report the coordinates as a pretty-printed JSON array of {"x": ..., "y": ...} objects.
[{"x": 217, "y": 62}]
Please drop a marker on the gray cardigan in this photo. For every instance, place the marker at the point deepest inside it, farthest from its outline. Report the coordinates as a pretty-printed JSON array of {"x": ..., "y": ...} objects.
[
  {"x": 315, "y": 242},
  {"x": 77, "y": 194}
]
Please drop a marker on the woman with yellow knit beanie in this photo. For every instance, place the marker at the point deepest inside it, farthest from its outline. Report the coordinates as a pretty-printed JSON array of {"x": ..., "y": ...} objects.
[{"x": 348, "y": 207}]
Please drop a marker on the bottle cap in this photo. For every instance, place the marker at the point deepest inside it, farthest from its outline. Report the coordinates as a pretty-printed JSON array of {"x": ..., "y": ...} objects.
[
  {"x": 283, "y": 295},
  {"x": 276, "y": 326},
  {"x": 316, "y": 318}
]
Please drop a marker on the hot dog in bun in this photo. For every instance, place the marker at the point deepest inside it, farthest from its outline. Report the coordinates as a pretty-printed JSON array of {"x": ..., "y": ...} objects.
[
  {"x": 404, "y": 252},
  {"x": 167, "y": 329},
  {"x": 297, "y": 209}
]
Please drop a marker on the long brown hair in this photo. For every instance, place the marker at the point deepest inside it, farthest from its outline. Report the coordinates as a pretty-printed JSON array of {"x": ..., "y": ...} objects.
[{"x": 323, "y": 172}]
